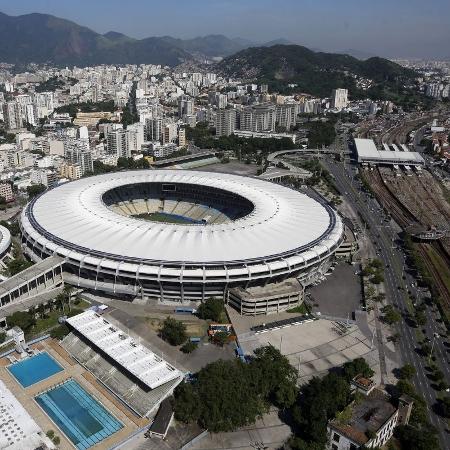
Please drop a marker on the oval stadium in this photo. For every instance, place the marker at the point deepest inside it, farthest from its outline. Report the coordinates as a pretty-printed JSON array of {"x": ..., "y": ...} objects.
[{"x": 183, "y": 236}]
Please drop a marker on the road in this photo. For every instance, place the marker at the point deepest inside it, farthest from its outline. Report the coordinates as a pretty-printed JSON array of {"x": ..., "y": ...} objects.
[{"x": 383, "y": 236}]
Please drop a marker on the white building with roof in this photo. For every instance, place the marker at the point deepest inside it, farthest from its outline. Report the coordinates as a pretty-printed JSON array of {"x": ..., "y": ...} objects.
[
  {"x": 368, "y": 153},
  {"x": 18, "y": 431}
]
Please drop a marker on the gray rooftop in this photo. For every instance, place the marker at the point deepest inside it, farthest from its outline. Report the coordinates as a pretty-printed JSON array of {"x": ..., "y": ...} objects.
[
  {"x": 29, "y": 274},
  {"x": 367, "y": 414}
]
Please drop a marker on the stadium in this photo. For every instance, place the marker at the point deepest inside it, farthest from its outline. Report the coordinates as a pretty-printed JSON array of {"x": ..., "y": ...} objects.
[{"x": 183, "y": 235}]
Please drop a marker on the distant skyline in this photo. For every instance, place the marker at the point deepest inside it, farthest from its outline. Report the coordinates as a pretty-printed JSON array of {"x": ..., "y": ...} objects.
[{"x": 391, "y": 28}]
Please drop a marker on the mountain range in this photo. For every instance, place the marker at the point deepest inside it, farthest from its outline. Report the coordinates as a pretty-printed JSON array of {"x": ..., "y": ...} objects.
[{"x": 42, "y": 38}]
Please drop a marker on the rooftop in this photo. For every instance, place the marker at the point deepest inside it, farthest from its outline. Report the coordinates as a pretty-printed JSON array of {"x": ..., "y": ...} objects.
[
  {"x": 368, "y": 152},
  {"x": 290, "y": 286},
  {"x": 69, "y": 219},
  {"x": 137, "y": 359},
  {"x": 368, "y": 413},
  {"x": 17, "y": 429}
]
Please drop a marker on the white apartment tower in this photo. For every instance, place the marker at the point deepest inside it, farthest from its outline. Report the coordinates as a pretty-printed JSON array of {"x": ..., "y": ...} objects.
[
  {"x": 339, "y": 98},
  {"x": 117, "y": 143}
]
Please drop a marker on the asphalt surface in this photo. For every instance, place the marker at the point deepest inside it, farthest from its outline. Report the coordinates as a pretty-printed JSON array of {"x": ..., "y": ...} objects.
[{"x": 383, "y": 235}]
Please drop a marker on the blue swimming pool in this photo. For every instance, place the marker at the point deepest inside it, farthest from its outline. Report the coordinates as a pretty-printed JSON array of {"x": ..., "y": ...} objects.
[
  {"x": 32, "y": 370},
  {"x": 82, "y": 418}
]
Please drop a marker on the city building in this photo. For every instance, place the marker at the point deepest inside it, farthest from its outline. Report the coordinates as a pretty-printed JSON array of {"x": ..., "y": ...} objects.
[
  {"x": 258, "y": 118},
  {"x": 6, "y": 192},
  {"x": 117, "y": 143},
  {"x": 286, "y": 115},
  {"x": 71, "y": 171},
  {"x": 182, "y": 137},
  {"x": 369, "y": 421},
  {"x": 368, "y": 153},
  {"x": 339, "y": 98},
  {"x": 18, "y": 430},
  {"x": 225, "y": 122},
  {"x": 12, "y": 116}
]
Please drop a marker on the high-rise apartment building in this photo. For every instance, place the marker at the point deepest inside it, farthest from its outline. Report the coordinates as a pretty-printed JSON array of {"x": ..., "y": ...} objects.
[
  {"x": 185, "y": 107},
  {"x": 258, "y": 118},
  {"x": 117, "y": 143},
  {"x": 225, "y": 122},
  {"x": 181, "y": 137},
  {"x": 12, "y": 116},
  {"x": 286, "y": 115},
  {"x": 339, "y": 98}
]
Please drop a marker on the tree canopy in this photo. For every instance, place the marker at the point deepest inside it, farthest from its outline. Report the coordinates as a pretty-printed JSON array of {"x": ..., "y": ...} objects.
[
  {"x": 230, "y": 394},
  {"x": 173, "y": 331},
  {"x": 211, "y": 309},
  {"x": 21, "y": 319},
  {"x": 35, "y": 189}
]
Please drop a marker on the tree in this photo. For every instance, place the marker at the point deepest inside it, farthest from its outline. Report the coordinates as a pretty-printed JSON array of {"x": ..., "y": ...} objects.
[
  {"x": 442, "y": 407},
  {"x": 220, "y": 338},
  {"x": 187, "y": 404},
  {"x": 377, "y": 278},
  {"x": 16, "y": 266},
  {"x": 60, "y": 301},
  {"x": 67, "y": 291},
  {"x": 189, "y": 347},
  {"x": 211, "y": 309},
  {"x": 59, "y": 332},
  {"x": 2, "y": 337},
  {"x": 50, "y": 434},
  {"x": 391, "y": 315},
  {"x": 275, "y": 377},
  {"x": 358, "y": 366},
  {"x": 34, "y": 190},
  {"x": 407, "y": 372},
  {"x": 414, "y": 439},
  {"x": 173, "y": 331},
  {"x": 420, "y": 318},
  {"x": 21, "y": 319}
]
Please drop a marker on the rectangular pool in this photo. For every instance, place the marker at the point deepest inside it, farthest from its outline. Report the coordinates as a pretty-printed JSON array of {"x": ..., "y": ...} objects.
[
  {"x": 81, "y": 418},
  {"x": 32, "y": 370}
]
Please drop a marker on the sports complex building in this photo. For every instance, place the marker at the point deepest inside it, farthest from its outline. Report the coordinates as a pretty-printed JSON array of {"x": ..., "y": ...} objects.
[{"x": 184, "y": 236}]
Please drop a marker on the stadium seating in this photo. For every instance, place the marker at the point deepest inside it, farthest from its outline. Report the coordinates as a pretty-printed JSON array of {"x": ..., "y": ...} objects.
[{"x": 138, "y": 397}]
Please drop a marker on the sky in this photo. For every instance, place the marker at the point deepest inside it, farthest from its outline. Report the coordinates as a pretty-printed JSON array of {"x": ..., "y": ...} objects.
[{"x": 391, "y": 28}]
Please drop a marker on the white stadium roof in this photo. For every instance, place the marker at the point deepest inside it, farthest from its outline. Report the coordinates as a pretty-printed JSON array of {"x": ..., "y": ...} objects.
[
  {"x": 73, "y": 219},
  {"x": 147, "y": 367},
  {"x": 368, "y": 153}
]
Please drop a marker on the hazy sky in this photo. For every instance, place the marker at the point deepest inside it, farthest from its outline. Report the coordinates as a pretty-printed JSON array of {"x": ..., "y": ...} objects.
[{"x": 403, "y": 28}]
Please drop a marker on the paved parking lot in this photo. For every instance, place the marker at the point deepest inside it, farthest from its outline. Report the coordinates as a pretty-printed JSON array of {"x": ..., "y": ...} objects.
[
  {"x": 268, "y": 433},
  {"x": 340, "y": 294},
  {"x": 315, "y": 347}
]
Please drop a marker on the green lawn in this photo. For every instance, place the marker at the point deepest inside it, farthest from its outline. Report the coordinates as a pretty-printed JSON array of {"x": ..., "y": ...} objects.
[{"x": 162, "y": 217}]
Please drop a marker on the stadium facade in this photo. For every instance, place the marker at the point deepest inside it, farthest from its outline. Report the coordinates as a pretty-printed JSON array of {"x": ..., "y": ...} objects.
[{"x": 181, "y": 235}]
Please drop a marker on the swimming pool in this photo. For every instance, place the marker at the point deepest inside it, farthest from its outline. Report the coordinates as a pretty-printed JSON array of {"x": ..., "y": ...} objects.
[
  {"x": 32, "y": 370},
  {"x": 82, "y": 418}
]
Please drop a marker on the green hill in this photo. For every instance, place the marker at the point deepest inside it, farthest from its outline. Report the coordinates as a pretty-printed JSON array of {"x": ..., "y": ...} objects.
[{"x": 317, "y": 73}]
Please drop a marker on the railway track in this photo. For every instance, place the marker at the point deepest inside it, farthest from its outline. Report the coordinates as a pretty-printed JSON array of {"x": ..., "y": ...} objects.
[
  {"x": 405, "y": 219},
  {"x": 441, "y": 285}
]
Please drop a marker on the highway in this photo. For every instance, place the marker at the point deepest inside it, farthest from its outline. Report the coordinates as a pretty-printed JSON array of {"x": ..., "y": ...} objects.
[{"x": 383, "y": 236}]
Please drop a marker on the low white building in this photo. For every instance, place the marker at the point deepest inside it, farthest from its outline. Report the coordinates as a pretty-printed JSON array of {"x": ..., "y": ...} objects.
[{"x": 18, "y": 431}]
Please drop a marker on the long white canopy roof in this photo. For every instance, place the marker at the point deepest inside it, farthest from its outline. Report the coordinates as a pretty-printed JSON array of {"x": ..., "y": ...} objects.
[
  {"x": 282, "y": 220},
  {"x": 149, "y": 368}
]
